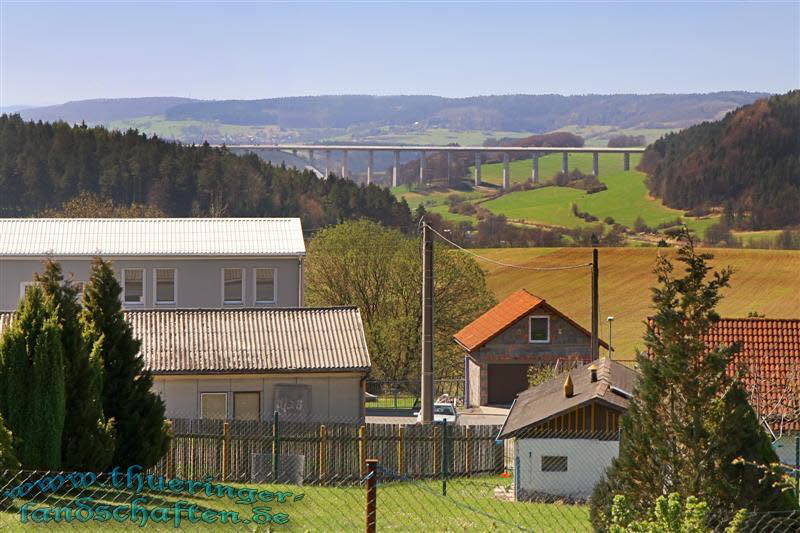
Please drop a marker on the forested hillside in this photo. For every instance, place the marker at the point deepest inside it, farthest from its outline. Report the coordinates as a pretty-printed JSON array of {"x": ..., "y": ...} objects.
[
  {"x": 748, "y": 163},
  {"x": 44, "y": 165},
  {"x": 521, "y": 112}
]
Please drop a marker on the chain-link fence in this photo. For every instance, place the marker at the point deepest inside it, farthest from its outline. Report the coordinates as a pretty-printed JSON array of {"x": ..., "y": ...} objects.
[{"x": 292, "y": 473}]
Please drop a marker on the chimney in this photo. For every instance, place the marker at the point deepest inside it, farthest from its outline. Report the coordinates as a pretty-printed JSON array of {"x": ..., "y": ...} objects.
[
  {"x": 568, "y": 392},
  {"x": 593, "y": 370}
]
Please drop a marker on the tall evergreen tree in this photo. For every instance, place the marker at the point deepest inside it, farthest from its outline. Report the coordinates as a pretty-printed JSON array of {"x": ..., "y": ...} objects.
[
  {"x": 142, "y": 436},
  {"x": 88, "y": 439},
  {"x": 33, "y": 395},
  {"x": 689, "y": 419}
]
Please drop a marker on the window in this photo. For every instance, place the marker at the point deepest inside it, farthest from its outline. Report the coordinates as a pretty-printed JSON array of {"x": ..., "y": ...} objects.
[
  {"x": 133, "y": 286},
  {"x": 246, "y": 405},
  {"x": 232, "y": 285},
  {"x": 554, "y": 463},
  {"x": 23, "y": 288},
  {"x": 165, "y": 285},
  {"x": 265, "y": 285},
  {"x": 213, "y": 405},
  {"x": 539, "y": 329}
]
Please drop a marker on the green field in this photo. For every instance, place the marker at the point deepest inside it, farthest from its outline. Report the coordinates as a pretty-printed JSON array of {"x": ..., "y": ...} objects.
[
  {"x": 550, "y": 165},
  {"x": 765, "y": 281},
  {"x": 425, "y": 136},
  {"x": 624, "y": 201},
  {"x": 469, "y": 505}
]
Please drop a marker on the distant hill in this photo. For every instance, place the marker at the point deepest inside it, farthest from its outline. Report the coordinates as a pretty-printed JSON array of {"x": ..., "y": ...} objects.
[
  {"x": 748, "y": 162},
  {"x": 529, "y": 113},
  {"x": 103, "y": 110}
]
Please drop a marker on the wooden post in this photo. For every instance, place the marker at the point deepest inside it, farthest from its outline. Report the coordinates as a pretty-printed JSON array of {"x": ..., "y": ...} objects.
[
  {"x": 323, "y": 451},
  {"x": 436, "y": 448},
  {"x": 592, "y": 420},
  {"x": 171, "y": 461},
  {"x": 401, "y": 432},
  {"x": 372, "y": 495},
  {"x": 362, "y": 441},
  {"x": 468, "y": 449},
  {"x": 275, "y": 447},
  {"x": 226, "y": 450}
]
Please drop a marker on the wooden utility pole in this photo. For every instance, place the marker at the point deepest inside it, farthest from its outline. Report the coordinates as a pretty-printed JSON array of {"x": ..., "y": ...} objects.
[
  {"x": 427, "y": 324},
  {"x": 595, "y": 306},
  {"x": 372, "y": 496}
]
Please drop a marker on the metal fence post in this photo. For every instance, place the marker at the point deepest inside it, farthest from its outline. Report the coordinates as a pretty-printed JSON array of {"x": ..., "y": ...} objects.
[
  {"x": 275, "y": 447},
  {"x": 372, "y": 495},
  {"x": 226, "y": 450},
  {"x": 323, "y": 451},
  {"x": 444, "y": 457}
]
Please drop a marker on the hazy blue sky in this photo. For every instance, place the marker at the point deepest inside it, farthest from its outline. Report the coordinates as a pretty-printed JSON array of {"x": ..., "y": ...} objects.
[{"x": 54, "y": 52}]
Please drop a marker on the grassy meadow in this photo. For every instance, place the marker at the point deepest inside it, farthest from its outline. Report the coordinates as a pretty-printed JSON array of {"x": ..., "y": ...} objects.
[{"x": 766, "y": 281}]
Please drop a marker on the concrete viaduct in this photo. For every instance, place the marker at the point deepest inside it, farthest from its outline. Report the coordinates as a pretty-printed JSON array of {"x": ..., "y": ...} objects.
[{"x": 534, "y": 151}]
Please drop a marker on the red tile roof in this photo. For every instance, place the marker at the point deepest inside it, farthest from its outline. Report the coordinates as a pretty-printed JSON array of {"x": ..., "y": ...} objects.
[
  {"x": 503, "y": 315},
  {"x": 769, "y": 349}
]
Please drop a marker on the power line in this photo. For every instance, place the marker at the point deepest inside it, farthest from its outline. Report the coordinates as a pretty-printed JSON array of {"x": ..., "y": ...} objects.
[{"x": 500, "y": 263}]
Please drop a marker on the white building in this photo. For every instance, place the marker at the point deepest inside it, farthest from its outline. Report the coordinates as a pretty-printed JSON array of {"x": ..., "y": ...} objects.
[{"x": 566, "y": 431}]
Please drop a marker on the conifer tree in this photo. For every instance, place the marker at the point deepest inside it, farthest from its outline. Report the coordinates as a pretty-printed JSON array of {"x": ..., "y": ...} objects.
[
  {"x": 689, "y": 419},
  {"x": 88, "y": 439},
  {"x": 8, "y": 459},
  {"x": 142, "y": 436},
  {"x": 33, "y": 395}
]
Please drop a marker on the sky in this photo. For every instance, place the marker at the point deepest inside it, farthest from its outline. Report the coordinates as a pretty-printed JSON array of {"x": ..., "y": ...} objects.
[{"x": 52, "y": 52}]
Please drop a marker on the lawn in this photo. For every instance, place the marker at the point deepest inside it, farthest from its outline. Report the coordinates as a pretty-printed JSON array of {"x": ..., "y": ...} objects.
[
  {"x": 402, "y": 506},
  {"x": 766, "y": 281}
]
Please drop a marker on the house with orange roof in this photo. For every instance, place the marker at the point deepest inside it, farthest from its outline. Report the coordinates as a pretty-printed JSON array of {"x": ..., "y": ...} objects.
[{"x": 503, "y": 343}]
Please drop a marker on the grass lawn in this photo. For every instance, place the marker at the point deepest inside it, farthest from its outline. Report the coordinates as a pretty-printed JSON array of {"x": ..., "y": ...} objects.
[
  {"x": 765, "y": 281},
  {"x": 402, "y": 506},
  {"x": 388, "y": 401}
]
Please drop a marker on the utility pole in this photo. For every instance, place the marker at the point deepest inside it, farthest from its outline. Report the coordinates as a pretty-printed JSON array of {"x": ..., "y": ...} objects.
[
  {"x": 427, "y": 324},
  {"x": 595, "y": 306}
]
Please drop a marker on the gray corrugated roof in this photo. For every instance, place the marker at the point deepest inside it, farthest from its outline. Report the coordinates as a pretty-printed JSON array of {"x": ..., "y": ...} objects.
[
  {"x": 245, "y": 341},
  {"x": 150, "y": 236},
  {"x": 547, "y": 399}
]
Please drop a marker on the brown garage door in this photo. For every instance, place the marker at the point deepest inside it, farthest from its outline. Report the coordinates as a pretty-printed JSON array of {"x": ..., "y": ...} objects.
[{"x": 505, "y": 382}]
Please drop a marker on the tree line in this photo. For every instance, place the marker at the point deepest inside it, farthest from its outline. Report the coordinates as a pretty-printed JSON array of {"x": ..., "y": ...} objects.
[
  {"x": 74, "y": 391},
  {"x": 749, "y": 162},
  {"x": 44, "y": 165}
]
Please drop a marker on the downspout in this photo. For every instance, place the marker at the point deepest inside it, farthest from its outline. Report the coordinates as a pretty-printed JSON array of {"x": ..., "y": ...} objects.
[{"x": 301, "y": 284}]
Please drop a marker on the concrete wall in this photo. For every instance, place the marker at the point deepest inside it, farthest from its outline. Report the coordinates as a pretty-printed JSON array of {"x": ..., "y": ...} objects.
[
  {"x": 587, "y": 461},
  {"x": 199, "y": 280},
  {"x": 333, "y": 397}
]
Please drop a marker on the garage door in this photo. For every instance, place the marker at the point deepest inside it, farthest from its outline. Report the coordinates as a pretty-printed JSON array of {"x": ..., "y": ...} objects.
[{"x": 505, "y": 382}]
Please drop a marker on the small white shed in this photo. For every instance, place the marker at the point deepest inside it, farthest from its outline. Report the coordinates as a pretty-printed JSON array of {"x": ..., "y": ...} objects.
[{"x": 566, "y": 431}]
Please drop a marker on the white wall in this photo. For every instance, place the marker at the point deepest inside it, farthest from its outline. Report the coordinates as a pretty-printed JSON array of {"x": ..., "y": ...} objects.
[
  {"x": 785, "y": 448},
  {"x": 333, "y": 397},
  {"x": 587, "y": 460},
  {"x": 199, "y": 279}
]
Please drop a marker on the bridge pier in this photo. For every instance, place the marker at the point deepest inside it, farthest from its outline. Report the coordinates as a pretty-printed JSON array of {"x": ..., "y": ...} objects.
[
  {"x": 327, "y": 163},
  {"x": 565, "y": 162},
  {"x": 449, "y": 156},
  {"x": 369, "y": 167},
  {"x": 396, "y": 167},
  {"x": 626, "y": 161},
  {"x": 477, "y": 172},
  {"x": 506, "y": 172},
  {"x": 595, "y": 164},
  {"x": 422, "y": 168},
  {"x": 344, "y": 163},
  {"x": 535, "y": 171},
  {"x": 311, "y": 156},
  {"x": 294, "y": 153}
]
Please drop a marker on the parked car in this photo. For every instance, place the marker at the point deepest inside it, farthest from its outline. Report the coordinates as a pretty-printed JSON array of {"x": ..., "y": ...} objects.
[{"x": 441, "y": 412}]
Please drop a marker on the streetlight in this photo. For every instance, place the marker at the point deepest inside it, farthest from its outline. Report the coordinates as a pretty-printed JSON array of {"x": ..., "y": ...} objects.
[{"x": 610, "y": 320}]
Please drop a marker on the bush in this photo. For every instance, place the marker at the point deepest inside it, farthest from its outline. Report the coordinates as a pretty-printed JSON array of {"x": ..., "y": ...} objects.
[
  {"x": 639, "y": 226},
  {"x": 609, "y": 221}
]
